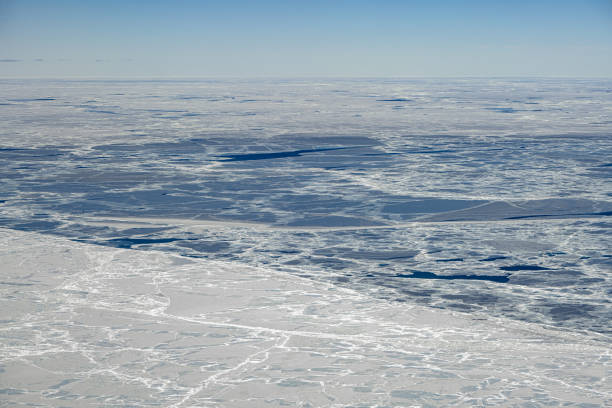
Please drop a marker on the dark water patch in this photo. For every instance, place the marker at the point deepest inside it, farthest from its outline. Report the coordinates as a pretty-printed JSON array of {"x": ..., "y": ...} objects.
[
  {"x": 62, "y": 383},
  {"x": 599, "y": 172},
  {"x": 514, "y": 268},
  {"x": 368, "y": 255},
  {"x": 107, "y": 112},
  {"x": 553, "y": 279},
  {"x": 165, "y": 110},
  {"x": 188, "y": 187},
  {"x": 592, "y": 281},
  {"x": 332, "y": 221},
  {"x": 191, "y": 146},
  {"x": 37, "y": 226},
  {"x": 182, "y": 161},
  {"x": 67, "y": 188},
  {"x": 120, "y": 147},
  {"x": 503, "y": 110},
  {"x": 395, "y": 100},
  {"x": 430, "y": 275},
  {"x": 193, "y": 97},
  {"x": 205, "y": 246},
  {"x": 11, "y": 391},
  {"x": 263, "y": 183},
  {"x": 167, "y": 117},
  {"x": 493, "y": 258},
  {"x": 462, "y": 307},
  {"x": 381, "y": 255},
  {"x": 555, "y": 253},
  {"x": 568, "y": 311},
  {"x": 150, "y": 197},
  {"x": 129, "y": 242},
  {"x": 273, "y": 155},
  {"x": 203, "y": 141},
  {"x": 482, "y": 299},
  {"x": 450, "y": 260},
  {"x": 332, "y": 263},
  {"x": 429, "y": 206},
  {"x": 531, "y": 209},
  {"x": 312, "y": 203},
  {"x": 144, "y": 230},
  {"x": 236, "y": 196},
  {"x": 23, "y": 167},
  {"x": 380, "y": 154},
  {"x": 537, "y": 281},
  {"x": 604, "y": 260},
  {"x": 80, "y": 207},
  {"x": 230, "y": 215},
  {"x": 419, "y": 293},
  {"x": 428, "y": 151},
  {"x": 331, "y": 140},
  {"x": 590, "y": 214},
  {"x": 84, "y": 233},
  {"x": 160, "y": 199},
  {"x": 356, "y": 160},
  {"x": 289, "y": 251},
  {"x": 40, "y": 153},
  {"x": 32, "y": 99}
]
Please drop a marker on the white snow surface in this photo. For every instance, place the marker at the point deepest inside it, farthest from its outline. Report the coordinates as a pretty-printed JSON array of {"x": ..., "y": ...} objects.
[{"x": 92, "y": 326}]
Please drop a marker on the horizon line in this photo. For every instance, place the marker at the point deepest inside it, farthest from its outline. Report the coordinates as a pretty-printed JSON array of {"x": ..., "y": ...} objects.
[{"x": 299, "y": 77}]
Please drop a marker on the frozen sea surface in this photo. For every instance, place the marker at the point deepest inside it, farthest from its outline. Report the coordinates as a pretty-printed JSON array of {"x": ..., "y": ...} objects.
[
  {"x": 86, "y": 325},
  {"x": 485, "y": 200}
]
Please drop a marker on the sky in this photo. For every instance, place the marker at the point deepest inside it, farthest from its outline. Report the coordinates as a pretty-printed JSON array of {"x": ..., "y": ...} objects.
[{"x": 384, "y": 38}]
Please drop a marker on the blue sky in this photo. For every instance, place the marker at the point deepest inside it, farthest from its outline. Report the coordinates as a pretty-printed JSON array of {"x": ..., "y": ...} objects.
[{"x": 305, "y": 38}]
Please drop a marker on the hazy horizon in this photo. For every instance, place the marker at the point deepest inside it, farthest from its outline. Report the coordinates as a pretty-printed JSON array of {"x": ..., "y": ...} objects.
[{"x": 273, "y": 39}]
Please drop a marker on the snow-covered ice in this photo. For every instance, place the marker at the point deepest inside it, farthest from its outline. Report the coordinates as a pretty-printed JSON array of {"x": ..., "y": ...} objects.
[
  {"x": 86, "y": 325},
  {"x": 322, "y": 242}
]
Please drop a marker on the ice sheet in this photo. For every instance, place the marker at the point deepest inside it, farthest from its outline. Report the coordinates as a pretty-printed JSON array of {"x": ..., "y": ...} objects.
[
  {"x": 86, "y": 325},
  {"x": 410, "y": 236}
]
